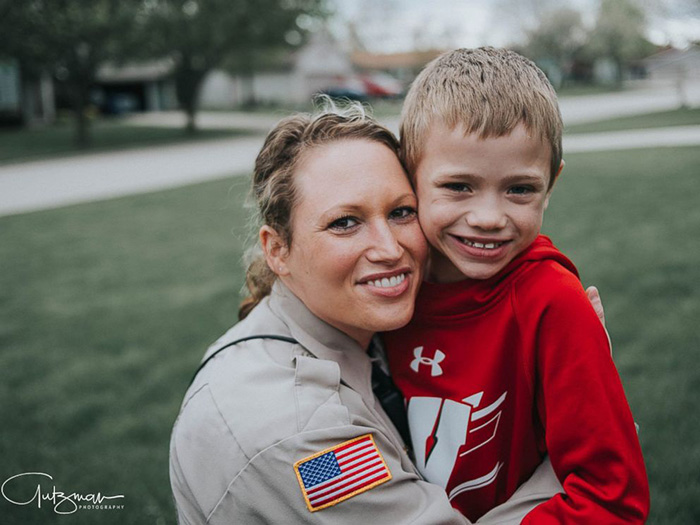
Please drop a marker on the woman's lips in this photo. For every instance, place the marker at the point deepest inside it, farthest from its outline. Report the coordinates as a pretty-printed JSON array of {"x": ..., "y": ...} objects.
[{"x": 388, "y": 285}]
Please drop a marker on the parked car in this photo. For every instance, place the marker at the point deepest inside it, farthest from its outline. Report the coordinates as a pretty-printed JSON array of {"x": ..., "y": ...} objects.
[
  {"x": 382, "y": 85},
  {"x": 366, "y": 86},
  {"x": 351, "y": 87}
]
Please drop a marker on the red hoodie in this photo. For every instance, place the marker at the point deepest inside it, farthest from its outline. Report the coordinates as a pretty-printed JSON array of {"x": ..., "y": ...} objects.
[{"x": 499, "y": 372}]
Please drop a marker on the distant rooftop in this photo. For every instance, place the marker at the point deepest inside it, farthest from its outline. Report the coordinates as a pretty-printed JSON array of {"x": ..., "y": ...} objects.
[{"x": 410, "y": 60}]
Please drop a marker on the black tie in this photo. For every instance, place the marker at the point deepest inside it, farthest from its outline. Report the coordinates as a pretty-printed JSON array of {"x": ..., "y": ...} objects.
[{"x": 391, "y": 399}]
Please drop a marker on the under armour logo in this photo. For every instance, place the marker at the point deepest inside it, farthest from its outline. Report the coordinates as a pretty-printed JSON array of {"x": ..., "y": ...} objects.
[{"x": 435, "y": 368}]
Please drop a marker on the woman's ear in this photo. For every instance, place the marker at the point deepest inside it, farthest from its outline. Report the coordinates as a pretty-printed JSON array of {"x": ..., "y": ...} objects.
[{"x": 275, "y": 250}]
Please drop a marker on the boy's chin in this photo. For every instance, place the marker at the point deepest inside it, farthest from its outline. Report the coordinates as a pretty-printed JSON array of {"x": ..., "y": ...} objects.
[
  {"x": 451, "y": 271},
  {"x": 481, "y": 274}
]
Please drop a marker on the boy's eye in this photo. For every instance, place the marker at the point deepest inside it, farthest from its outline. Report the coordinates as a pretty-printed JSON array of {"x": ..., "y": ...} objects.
[
  {"x": 521, "y": 190},
  {"x": 457, "y": 186},
  {"x": 343, "y": 223},
  {"x": 404, "y": 212}
]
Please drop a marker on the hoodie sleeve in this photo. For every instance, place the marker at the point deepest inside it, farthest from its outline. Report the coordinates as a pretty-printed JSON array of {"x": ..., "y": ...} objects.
[{"x": 589, "y": 431}]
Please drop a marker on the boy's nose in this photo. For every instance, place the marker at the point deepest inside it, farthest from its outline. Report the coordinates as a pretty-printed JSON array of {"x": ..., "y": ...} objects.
[{"x": 486, "y": 217}]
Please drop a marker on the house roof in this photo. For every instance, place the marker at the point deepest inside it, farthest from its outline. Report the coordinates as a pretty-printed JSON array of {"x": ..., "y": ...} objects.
[
  {"x": 412, "y": 60},
  {"x": 672, "y": 54}
]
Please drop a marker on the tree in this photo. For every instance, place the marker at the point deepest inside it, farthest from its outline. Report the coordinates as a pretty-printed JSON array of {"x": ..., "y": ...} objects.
[
  {"x": 619, "y": 34},
  {"x": 558, "y": 39},
  {"x": 70, "y": 39},
  {"x": 202, "y": 34},
  {"x": 521, "y": 16}
]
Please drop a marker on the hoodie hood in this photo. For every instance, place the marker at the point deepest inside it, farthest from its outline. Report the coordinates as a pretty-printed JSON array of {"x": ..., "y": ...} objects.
[{"x": 472, "y": 295}]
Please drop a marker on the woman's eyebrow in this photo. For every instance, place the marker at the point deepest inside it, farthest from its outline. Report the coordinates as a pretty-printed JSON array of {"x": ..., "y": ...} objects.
[
  {"x": 335, "y": 212},
  {"x": 352, "y": 208},
  {"x": 409, "y": 195},
  {"x": 357, "y": 207},
  {"x": 341, "y": 208}
]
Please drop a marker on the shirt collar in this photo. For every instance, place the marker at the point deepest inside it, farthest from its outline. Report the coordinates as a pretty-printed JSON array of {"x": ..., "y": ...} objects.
[{"x": 323, "y": 340}]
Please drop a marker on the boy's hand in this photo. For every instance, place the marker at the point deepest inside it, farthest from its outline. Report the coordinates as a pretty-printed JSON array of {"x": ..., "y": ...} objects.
[{"x": 594, "y": 297}]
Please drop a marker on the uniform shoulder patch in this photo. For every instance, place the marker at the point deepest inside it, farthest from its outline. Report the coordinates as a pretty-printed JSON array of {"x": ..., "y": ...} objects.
[{"x": 341, "y": 472}]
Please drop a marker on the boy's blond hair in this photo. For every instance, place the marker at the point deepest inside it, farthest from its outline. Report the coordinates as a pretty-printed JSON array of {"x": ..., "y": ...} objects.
[{"x": 489, "y": 91}]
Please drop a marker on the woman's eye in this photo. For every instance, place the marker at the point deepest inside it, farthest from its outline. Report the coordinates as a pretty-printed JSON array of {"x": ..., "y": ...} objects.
[
  {"x": 404, "y": 212},
  {"x": 457, "y": 187},
  {"x": 343, "y": 223}
]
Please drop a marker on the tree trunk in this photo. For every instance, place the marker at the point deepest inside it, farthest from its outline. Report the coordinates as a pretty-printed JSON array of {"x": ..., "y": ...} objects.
[
  {"x": 250, "y": 101},
  {"x": 619, "y": 73},
  {"x": 82, "y": 124},
  {"x": 188, "y": 82},
  {"x": 191, "y": 112},
  {"x": 188, "y": 95}
]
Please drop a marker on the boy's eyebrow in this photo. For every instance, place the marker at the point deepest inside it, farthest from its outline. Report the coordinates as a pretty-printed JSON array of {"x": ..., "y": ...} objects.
[
  {"x": 518, "y": 177},
  {"x": 448, "y": 175},
  {"x": 524, "y": 177}
]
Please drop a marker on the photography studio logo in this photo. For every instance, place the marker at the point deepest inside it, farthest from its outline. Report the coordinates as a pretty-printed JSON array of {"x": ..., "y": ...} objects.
[{"x": 30, "y": 488}]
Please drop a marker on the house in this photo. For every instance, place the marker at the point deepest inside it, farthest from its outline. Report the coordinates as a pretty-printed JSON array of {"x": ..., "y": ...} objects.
[
  {"x": 318, "y": 65},
  {"x": 322, "y": 65},
  {"x": 678, "y": 67},
  {"x": 127, "y": 88},
  {"x": 673, "y": 64},
  {"x": 291, "y": 79},
  {"x": 23, "y": 99}
]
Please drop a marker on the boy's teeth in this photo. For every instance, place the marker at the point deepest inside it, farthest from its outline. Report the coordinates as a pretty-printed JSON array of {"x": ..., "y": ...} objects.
[
  {"x": 388, "y": 282},
  {"x": 486, "y": 246}
]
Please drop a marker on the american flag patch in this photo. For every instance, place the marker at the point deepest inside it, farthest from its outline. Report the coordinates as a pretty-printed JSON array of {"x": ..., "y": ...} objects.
[{"x": 341, "y": 472}]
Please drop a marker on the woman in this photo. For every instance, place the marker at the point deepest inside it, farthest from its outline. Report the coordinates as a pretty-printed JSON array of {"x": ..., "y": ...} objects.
[{"x": 285, "y": 428}]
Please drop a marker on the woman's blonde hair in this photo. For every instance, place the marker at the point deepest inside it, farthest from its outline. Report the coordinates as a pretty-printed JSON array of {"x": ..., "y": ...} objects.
[{"x": 273, "y": 185}]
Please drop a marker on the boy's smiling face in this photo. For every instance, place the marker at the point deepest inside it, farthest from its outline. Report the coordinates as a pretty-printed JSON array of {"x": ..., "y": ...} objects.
[{"x": 480, "y": 201}]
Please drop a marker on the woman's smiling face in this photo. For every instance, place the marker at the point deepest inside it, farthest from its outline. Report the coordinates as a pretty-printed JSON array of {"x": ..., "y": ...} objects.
[{"x": 357, "y": 250}]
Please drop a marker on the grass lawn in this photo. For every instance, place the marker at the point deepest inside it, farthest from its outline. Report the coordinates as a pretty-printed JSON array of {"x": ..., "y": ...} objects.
[
  {"x": 632, "y": 233},
  {"x": 107, "y": 307},
  {"x": 676, "y": 117},
  {"x": 33, "y": 144}
]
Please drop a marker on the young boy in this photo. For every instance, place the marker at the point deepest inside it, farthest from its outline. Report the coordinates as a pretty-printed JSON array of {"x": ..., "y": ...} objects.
[{"x": 505, "y": 360}]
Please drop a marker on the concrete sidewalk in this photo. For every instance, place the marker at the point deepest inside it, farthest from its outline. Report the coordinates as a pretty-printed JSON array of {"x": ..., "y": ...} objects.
[
  {"x": 632, "y": 139},
  {"x": 262, "y": 122},
  {"x": 60, "y": 182}
]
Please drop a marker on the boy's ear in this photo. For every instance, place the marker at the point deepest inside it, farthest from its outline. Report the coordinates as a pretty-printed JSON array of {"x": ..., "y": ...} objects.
[
  {"x": 556, "y": 175},
  {"x": 554, "y": 180},
  {"x": 275, "y": 250}
]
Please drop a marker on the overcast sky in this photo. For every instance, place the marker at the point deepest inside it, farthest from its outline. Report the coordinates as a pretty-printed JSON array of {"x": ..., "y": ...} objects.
[{"x": 401, "y": 25}]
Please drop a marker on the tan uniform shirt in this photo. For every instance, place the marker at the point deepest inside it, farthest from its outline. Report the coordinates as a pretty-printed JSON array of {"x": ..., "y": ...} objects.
[{"x": 261, "y": 406}]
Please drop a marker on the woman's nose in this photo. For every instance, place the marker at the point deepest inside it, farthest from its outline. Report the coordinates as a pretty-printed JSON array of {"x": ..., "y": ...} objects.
[{"x": 384, "y": 244}]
